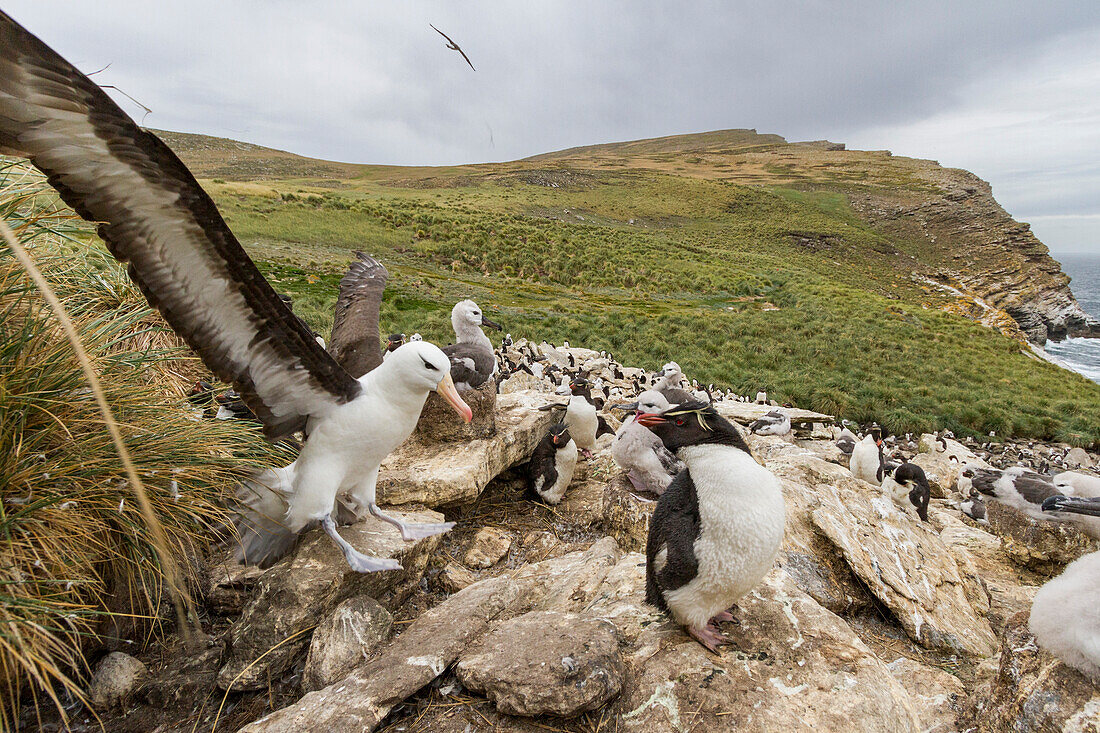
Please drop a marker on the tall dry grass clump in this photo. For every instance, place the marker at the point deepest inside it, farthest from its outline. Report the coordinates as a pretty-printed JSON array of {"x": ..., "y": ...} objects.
[{"x": 77, "y": 561}]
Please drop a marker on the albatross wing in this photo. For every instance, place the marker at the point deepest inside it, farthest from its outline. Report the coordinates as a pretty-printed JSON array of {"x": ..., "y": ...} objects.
[
  {"x": 156, "y": 218},
  {"x": 356, "y": 342}
]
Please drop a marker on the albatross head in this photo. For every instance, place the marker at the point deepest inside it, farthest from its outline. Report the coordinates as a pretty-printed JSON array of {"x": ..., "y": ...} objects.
[
  {"x": 423, "y": 367},
  {"x": 466, "y": 314}
]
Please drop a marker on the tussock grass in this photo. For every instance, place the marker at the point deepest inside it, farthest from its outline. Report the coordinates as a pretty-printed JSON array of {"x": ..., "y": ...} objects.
[{"x": 77, "y": 561}]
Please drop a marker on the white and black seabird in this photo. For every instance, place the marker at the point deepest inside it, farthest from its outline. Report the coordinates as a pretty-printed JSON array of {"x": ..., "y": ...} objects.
[
  {"x": 1074, "y": 483},
  {"x": 716, "y": 530},
  {"x": 1065, "y": 615},
  {"x": 776, "y": 422},
  {"x": 908, "y": 484},
  {"x": 867, "y": 461},
  {"x": 552, "y": 464},
  {"x": 473, "y": 359},
  {"x": 155, "y": 217},
  {"x": 584, "y": 422},
  {"x": 1019, "y": 488},
  {"x": 393, "y": 342},
  {"x": 649, "y": 465},
  {"x": 847, "y": 440}
]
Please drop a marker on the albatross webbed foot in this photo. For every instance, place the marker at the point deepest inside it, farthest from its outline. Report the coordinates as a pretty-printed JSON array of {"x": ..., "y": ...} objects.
[
  {"x": 410, "y": 532},
  {"x": 358, "y": 562}
]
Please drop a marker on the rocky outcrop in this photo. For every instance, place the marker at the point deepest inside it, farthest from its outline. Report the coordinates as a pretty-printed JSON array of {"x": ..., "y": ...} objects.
[
  {"x": 971, "y": 243},
  {"x": 1035, "y": 693},
  {"x": 1042, "y": 546},
  {"x": 445, "y": 473},
  {"x": 345, "y": 640},
  {"x": 291, "y": 597},
  {"x": 117, "y": 678},
  {"x": 545, "y": 663},
  {"x": 792, "y": 664}
]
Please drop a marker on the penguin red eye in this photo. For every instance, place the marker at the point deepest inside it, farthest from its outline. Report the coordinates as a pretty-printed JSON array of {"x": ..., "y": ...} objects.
[{"x": 679, "y": 421}]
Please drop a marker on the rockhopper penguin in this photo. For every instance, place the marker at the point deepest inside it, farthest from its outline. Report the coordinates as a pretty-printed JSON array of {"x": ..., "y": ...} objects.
[
  {"x": 907, "y": 483},
  {"x": 552, "y": 465},
  {"x": 717, "y": 528}
]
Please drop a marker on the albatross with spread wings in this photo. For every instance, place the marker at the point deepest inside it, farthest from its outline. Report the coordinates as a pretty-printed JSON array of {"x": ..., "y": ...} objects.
[{"x": 156, "y": 218}]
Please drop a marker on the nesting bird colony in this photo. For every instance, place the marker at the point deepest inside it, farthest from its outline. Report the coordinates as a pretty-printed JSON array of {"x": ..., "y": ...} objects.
[{"x": 718, "y": 513}]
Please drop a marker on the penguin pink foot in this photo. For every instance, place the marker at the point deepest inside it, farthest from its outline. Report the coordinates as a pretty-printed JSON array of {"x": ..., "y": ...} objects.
[
  {"x": 722, "y": 616},
  {"x": 708, "y": 636},
  {"x": 586, "y": 453}
]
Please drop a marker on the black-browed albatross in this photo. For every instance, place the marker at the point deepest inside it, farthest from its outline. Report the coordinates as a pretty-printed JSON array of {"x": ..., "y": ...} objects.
[{"x": 156, "y": 218}]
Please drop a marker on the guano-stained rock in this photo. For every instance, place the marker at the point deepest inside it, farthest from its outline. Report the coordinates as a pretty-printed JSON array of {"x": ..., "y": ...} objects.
[
  {"x": 343, "y": 641},
  {"x": 1042, "y": 546},
  {"x": 442, "y": 474},
  {"x": 908, "y": 568},
  {"x": 545, "y": 663},
  {"x": 295, "y": 593}
]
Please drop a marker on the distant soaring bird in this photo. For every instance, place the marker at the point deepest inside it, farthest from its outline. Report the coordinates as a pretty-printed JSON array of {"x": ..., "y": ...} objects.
[
  {"x": 454, "y": 47},
  {"x": 155, "y": 217}
]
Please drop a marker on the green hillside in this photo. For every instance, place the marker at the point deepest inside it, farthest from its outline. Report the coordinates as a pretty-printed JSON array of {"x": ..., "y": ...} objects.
[{"x": 750, "y": 261}]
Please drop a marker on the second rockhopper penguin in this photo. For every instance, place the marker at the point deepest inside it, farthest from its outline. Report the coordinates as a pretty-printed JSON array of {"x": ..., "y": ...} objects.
[
  {"x": 552, "y": 465},
  {"x": 717, "y": 528}
]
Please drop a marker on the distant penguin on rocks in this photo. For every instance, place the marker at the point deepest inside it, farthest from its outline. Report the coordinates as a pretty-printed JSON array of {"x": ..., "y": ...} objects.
[
  {"x": 581, "y": 417},
  {"x": 507, "y": 342},
  {"x": 776, "y": 422},
  {"x": 908, "y": 484},
  {"x": 716, "y": 530},
  {"x": 648, "y": 464},
  {"x": 552, "y": 465},
  {"x": 761, "y": 398},
  {"x": 847, "y": 440},
  {"x": 867, "y": 459}
]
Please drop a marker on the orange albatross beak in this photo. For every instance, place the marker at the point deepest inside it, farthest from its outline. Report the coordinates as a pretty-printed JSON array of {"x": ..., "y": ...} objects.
[{"x": 446, "y": 387}]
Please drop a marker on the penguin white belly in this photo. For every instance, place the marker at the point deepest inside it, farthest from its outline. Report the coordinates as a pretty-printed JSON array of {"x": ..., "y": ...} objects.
[
  {"x": 580, "y": 417},
  {"x": 898, "y": 492},
  {"x": 565, "y": 462},
  {"x": 742, "y": 516},
  {"x": 864, "y": 462}
]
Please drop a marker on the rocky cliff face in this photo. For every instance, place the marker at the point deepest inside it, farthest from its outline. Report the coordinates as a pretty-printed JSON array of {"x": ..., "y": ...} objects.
[{"x": 977, "y": 247}]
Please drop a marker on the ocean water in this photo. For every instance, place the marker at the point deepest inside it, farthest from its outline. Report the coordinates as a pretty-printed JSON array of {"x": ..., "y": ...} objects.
[{"x": 1080, "y": 354}]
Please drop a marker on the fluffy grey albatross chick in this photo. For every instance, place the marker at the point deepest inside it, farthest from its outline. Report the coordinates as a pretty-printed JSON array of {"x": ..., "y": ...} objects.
[
  {"x": 648, "y": 464},
  {"x": 473, "y": 360},
  {"x": 156, "y": 218},
  {"x": 1065, "y": 615}
]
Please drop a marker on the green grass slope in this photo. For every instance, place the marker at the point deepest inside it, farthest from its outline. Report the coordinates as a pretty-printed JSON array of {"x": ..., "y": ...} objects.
[{"x": 736, "y": 254}]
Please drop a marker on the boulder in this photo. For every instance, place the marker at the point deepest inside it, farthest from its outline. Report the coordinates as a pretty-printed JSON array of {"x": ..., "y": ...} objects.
[
  {"x": 1079, "y": 458},
  {"x": 609, "y": 504},
  {"x": 294, "y": 593},
  {"x": 117, "y": 679},
  {"x": 442, "y": 474},
  {"x": 487, "y": 547},
  {"x": 545, "y": 663},
  {"x": 523, "y": 382},
  {"x": 454, "y": 577},
  {"x": 792, "y": 665},
  {"x": 230, "y": 585},
  {"x": 905, "y": 565},
  {"x": 937, "y": 696},
  {"x": 1045, "y": 547},
  {"x": 942, "y": 473},
  {"x": 344, "y": 640},
  {"x": 1033, "y": 692},
  {"x": 439, "y": 422}
]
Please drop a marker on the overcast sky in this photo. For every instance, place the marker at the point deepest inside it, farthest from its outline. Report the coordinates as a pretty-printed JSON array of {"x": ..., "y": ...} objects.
[{"x": 1009, "y": 90}]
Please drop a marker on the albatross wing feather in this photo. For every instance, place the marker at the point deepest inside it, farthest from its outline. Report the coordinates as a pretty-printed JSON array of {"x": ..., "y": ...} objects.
[
  {"x": 356, "y": 342},
  {"x": 156, "y": 218}
]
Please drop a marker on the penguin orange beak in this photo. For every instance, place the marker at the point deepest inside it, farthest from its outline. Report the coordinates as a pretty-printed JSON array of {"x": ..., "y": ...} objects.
[
  {"x": 649, "y": 419},
  {"x": 446, "y": 387}
]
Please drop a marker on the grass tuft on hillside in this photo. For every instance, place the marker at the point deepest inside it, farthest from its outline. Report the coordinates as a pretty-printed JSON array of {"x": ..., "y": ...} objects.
[{"x": 79, "y": 562}]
